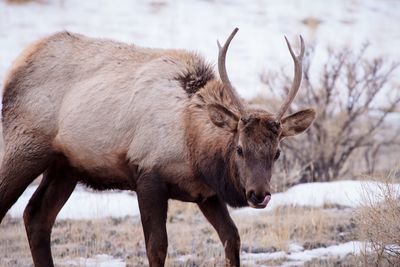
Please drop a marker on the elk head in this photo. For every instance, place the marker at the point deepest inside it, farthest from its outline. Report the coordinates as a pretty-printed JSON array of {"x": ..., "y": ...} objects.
[{"x": 257, "y": 133}]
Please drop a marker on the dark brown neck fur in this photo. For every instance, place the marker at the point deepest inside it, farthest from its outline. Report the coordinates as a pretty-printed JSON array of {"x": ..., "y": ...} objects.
[{"x": 210, "y": 147}]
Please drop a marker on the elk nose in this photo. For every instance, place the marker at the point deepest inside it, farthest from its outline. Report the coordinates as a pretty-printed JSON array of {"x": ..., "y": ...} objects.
[{"x": 257, "y": 198}]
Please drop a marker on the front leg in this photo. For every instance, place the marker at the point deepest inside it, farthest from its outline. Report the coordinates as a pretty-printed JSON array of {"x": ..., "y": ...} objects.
[
  {"x": 217, "y": 214},
  {"x": 153, "y": 205}
]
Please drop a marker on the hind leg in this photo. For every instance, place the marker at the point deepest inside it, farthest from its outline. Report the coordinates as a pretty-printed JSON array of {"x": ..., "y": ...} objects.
[
  {"x": 23, "y": 161},
  {"x": 41, "y": 212}
]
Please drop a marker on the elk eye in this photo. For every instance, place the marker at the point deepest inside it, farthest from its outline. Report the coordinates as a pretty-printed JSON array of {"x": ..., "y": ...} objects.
[
  {"x": 278, "y": 153},
  {"x": 239, "y": 151}
]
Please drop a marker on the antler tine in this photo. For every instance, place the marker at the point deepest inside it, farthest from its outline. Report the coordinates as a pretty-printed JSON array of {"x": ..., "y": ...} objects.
[
  {"x": 222, "y": 57},
  {"x": 222, "y": 68},
  {"x": 298, "y": 72}
]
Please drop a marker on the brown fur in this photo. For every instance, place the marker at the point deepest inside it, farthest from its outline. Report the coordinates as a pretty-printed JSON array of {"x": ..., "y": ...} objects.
[
  {"x": 113, "y": 115},
  {"x": 196, "y": 77}
]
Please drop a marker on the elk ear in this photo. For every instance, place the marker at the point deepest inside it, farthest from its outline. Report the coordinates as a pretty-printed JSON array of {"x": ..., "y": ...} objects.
[
  {"x": 297, "y": 123},
  {"x": 223, "y": 117}
]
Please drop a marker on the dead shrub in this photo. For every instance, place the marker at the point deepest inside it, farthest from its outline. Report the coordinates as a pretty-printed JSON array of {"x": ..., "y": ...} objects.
[
  {"x": 379, "y": 225},
  {"x": 354, "y": 96}
]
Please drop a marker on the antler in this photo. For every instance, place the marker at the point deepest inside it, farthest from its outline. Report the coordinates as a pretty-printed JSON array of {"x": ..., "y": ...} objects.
[
  {"x": 222, "y": 70},
  {"x": 298, "y": 72}
]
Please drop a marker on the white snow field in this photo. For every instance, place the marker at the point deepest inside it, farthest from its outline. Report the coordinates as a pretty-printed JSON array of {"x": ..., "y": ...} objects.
[
  {"x": 85, "y": 204},
  {"x": 196, "y": 25},
  {"x": 345, "y": 193},
  {"x": 88, "y": 204}
]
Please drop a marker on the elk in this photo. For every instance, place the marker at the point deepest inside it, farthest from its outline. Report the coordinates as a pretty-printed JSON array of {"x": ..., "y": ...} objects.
[{"x": 159, "y": 122}]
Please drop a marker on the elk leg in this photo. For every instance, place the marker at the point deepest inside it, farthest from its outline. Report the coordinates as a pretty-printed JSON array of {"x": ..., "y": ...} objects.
[
  {"x": 153, "y": 205},
  {"x": 217, "y": 214},
  {"x": 23, "y": 161},
  {"x": 42, "y": 209}
]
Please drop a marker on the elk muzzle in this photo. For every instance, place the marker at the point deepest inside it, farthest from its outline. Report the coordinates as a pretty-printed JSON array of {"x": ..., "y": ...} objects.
[{"x": 258, "y": 198}]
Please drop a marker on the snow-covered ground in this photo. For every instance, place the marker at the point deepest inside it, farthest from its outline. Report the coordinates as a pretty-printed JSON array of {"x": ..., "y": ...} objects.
[
  {"x": 97, "y": 261},
  {"x": 350, "y": 194},
  {"x": 297, "y": 256},
  {"x": 84, "y": 204},
  {"x": 196, "y": 25}
]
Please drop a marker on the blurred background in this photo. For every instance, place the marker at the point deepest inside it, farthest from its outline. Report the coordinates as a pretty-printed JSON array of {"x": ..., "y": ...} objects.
[
  {"x": 351, "y": 77},
  {"x": 196, "y": 25}
]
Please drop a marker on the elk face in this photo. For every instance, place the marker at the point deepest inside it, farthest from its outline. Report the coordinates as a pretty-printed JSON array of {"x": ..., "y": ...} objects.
[
  {"x": 256, "y": 147},
  {"x": 257, "y": 132}
]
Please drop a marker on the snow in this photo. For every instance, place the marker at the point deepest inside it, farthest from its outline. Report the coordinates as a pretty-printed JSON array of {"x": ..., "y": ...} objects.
[
  {"x": 343, "y": 193},
  {"x": 341, "y": 250},
  {"x": 393, "y": 249},
  {"x": 250, "y": 257},
  {"x": 196, "y": 25},
  {"x": 84, "y": 204},
  {"x": 296, "y": 258},
  {"x": 293, "y": 247},
  {"x": 101, "y": 260},
  {"x": 88, "y": 204},
  {"x": 184, "y": 258}
]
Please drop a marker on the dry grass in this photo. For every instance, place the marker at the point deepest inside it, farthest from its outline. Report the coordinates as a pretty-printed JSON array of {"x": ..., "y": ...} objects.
[
  {"x": 309, "y": 227},
  {"x": 192, "y": 240},
  {"x": 189, "y": 234},
  {"x": 348, "y": 261},
  {"x": 379, "y": 224}
]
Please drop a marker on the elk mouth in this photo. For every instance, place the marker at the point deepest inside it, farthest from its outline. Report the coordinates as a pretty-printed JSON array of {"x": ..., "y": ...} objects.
[{"x": 260, "y": 205}]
